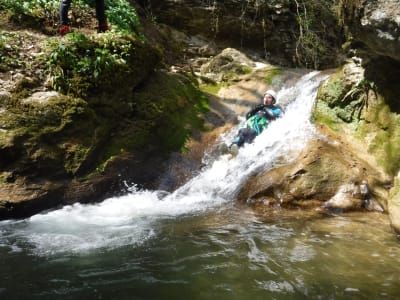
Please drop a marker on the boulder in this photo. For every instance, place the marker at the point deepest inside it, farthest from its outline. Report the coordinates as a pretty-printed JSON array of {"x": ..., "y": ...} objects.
[
  {"x": 227, "y": 65},
  {"x": 377, "y": 25},
  {"x": 328, "y": 174}
]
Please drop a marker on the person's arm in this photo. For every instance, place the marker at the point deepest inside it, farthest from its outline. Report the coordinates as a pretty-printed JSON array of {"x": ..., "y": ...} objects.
[
  {"x": 272, "y": 113},
  {"x": 254, "y": 110}
]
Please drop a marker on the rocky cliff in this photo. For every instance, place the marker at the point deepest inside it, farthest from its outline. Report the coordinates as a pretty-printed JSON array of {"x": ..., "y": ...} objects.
[{"x": 287, "y": 33}]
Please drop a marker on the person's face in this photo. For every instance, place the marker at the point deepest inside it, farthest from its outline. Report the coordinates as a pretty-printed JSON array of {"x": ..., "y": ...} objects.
[{"x": 268, "y": 99}]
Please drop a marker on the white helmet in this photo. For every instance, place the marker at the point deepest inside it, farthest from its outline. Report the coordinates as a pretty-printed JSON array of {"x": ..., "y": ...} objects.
[{"x": 272, "y": 93}]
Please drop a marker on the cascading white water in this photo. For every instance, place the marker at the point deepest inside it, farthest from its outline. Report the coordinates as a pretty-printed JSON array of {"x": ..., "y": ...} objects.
[{"x": 133, "y": 218}]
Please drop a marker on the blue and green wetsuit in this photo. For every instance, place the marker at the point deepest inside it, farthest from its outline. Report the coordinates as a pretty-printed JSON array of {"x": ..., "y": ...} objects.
[{"x": 257, "y": 120}]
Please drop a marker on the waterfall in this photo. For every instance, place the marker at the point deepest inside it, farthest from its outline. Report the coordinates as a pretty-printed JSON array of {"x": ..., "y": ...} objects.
[{"x": 135, "y": 217}]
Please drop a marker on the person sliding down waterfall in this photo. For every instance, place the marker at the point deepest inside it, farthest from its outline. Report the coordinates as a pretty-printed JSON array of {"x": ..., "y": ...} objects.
[{"x": 257, "y": 119}]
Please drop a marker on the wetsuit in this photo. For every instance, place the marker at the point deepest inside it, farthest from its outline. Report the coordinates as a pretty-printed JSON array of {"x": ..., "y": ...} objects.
[{"x": 257, "y": 120}]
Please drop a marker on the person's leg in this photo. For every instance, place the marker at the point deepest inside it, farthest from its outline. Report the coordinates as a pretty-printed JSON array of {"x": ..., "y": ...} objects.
[
  {"x": 238, "y": 140},
  {"x": 247, "y": 135},
  {"x": 100, "y": 11},
  {"x": 101, "y": 16},
  {"x": 64, "y": 7}
]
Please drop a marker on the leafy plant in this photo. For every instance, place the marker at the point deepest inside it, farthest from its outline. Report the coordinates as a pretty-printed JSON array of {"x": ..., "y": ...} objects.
[
  {"x": 360, "y": 93},
  {"x": 38, "y": 9},
  {"x": 79, "y": 62},
  {"x": 120, "y": 13},
  {"x": 309, "y": 45}
]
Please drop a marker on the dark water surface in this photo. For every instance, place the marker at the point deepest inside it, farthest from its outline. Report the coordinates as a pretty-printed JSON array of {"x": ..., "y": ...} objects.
[{"x": 227, "y": 254}]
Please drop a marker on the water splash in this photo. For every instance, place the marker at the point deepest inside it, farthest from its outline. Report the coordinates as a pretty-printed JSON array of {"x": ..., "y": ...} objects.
[{"x": 134, "y": 218}]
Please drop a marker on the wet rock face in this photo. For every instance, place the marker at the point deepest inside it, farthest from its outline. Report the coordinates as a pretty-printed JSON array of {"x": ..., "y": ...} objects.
[
  {"x": 233, "y": 21},
  {"x": 270, "y": 28},
  {"x": 378, "y": 26},
  {"x": 328, "y": 174}
]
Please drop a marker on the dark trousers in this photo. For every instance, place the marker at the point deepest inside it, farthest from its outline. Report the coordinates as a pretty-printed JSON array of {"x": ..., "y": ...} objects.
[
  {"x": 64, "y": 7},
  {"x": 245, "y": 135}
]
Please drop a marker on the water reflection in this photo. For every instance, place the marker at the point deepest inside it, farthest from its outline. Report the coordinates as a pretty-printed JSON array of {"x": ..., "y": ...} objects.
[{"x": 231, "y": 253}]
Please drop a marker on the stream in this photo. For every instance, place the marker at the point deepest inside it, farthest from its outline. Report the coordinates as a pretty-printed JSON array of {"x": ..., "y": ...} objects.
[{"x": 198, "y": 243}]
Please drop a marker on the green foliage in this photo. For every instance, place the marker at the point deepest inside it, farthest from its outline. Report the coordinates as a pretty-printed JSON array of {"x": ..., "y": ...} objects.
[
  {"x": 7, "y": 51},
  {"x": 32, "y": 12},
  {"x": 311, "y": 43},
  {"x": 79, "y": 63},
  {"x": 34, "y": 8},
  {"x": 120, "y": 13},
  {"x": 359, "y": 96}
]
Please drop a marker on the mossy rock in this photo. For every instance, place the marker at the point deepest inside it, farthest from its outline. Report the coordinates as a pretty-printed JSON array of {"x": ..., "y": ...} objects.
[
  {"x": 356, "y": 107},
  {"x": 48, "y": 131},
  {"x": 165, "y": 113},
  {"x": 227, "y": 66}
]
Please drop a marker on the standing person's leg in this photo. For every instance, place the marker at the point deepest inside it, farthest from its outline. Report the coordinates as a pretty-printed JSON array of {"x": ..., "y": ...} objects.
[
  {"x": 101, "y": 16},
  {"x": 64, "y": 23},
  {"x": 64, "y": 7}
]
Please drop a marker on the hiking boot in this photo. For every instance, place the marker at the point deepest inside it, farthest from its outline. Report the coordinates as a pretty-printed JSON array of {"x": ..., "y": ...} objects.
[
  {"x": 64, "y": 29},
  {"x": 103, "y": 27}
]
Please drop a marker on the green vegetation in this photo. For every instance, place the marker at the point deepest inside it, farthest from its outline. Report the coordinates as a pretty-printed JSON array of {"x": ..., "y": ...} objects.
[
  {"x": 311, "y": 42},
  {"x": 359, "y": 109},
  {"x": 8, "y": 51},
  {"x": 79, "y": 64},
  {"x": 272, "y": 74},
  {"x": 211, "y": 88},
  {"x": 108, "y": 105},
  {"x": 359, "y": 96},
  {"x": 120, "y": 13}
]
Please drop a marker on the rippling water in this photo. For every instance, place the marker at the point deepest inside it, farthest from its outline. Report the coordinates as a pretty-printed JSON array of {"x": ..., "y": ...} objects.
[
  {"x": 228, "y": 253},
  {"x": 197, "y": 243}
]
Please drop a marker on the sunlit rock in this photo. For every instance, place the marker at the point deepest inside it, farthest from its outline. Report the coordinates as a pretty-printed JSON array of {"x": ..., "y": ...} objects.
[
  {"x": 328, "y": 174},
  {"x": 394, "y": 205},
  {"x": 378, "y": 26}
]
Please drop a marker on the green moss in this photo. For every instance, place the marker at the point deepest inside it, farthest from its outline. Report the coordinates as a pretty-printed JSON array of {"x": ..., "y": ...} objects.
[
  {"x": 333, "y": 90},
  {"x": 369, "y": 120},
  {"x": 272, "y": 73},
  {"x": 344, "y": 104},
  {"x": 58, "y": 131},
  {"x": 211, "y": 88},
  {"x": 165, "y": 113},
  {"x": 383, "y": 131},
  {"x": 327, "y": 118}
]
